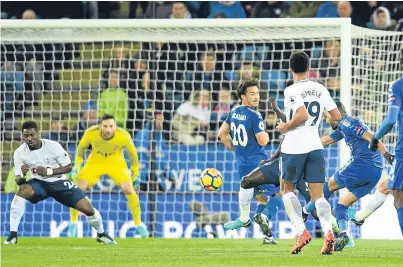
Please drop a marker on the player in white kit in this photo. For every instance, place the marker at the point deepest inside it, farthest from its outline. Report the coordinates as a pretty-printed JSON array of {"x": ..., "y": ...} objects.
[
  {"x": 48, "y": 163},
  {"x": 302, "y": 149}
]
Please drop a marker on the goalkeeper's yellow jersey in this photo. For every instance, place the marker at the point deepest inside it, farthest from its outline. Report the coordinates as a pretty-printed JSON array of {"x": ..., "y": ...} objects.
[{"x": 108, "y": 152}]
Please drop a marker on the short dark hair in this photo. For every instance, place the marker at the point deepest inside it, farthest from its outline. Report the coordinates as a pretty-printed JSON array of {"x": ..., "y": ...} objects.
[
  {"x": 289, "y": 83},
  {"x": 107, "y": 117},
  {"x": 340, "y": 107},
  {"x": 245, "y": 85},
  {"x": 299, "y": 61},
  {"x": 29, "y": 125}
]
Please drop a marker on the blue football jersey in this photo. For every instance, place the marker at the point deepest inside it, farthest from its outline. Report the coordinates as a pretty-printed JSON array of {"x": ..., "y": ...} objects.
[
  {"x": 396, "y": 100},
  {"x": 244, "y": 124},
  {"x": 352, "y": 130}
]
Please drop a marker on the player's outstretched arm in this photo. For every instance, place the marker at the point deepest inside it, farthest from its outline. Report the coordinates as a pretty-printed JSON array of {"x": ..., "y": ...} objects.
[
  {"x": 223, "y": 134},
  {"x": 279, "y": 112},
  {"x": 327, "y": 140},
  {"x": 388, "y": 122},
  {"x": 133, "y": 157},
  {"x": 381, "y": 146}
]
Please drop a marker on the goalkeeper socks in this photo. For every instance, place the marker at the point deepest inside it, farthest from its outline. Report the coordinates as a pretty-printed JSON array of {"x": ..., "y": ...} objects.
[
  {"x": 96, "y": 222},
  {"x": 16, "y": 212},
  {"x": 260, "y": 208},
  {"x": 376, "y": 201},
  {"x": 134, "y": 206},
  {"x": 400, "y": 217},
  {"x": 341, "y": 217},
  {"x": 274, "y": 205},
  {"x": 294, "y": 211},
  {"x": 245, "y": 197},
  {"x": 310, "y": 207},
  {"x": 74, "y": 215},
  {"x": 324, "y": 213}
]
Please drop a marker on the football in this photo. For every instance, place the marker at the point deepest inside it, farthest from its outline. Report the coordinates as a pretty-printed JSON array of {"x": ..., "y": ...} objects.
[{"x": 211, "y": 179}]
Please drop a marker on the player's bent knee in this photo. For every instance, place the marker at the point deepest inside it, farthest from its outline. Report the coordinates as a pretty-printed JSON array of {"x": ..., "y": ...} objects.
[
  {"x": 25, "y": 191},
  {"x": 84, "y": 206},
  {"x": 383, "y": 186},
  {"x": 245, "y": 183},
  {"x": 127, "y": 188}
]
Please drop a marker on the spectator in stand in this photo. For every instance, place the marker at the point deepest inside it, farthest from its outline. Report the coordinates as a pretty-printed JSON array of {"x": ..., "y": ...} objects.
[
  {"x": 365, "y": 9},
  {"x": 29, "y": 14},
  {"x": 58, "y": 130},
  {"x": 327, "y": 9},
  {"x": 248, "y": 71},
  {"x": 395, "y": 8},
  {"x": 302, "y": 9},
  {"x": 180, "y": 11},
  {"x": 158, "y": 10},
  {"x": 114, "y": 101},
  {"x": 222, "y": 109},
  {"x": 12, "y": 89},
  {"x": 88, "y": 118},
  {"x": 381, "y": 20},
  {"x": 271, "y": 124},
  {"x": 192, "y": 118},
  {"x": 345, "y": 10},
  {"x": 327, "y": 68},
  {"x": 137, "y": 93},
  {"x": 231, "y": 9},
  {"x": 34, "y": 81},
  {"x": 206, "y": 76},
  {"x": 270, "y": 9},
  {"x": 120, "y": 62}
]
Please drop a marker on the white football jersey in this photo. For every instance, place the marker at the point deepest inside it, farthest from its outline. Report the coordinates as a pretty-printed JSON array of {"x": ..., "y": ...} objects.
[
  {"x": 316, "y": 98},
  {"x": 51, "y": 155}
]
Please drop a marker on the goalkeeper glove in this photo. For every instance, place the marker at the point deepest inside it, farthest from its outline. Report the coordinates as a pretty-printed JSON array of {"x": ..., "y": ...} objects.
[
  {"x": 389, "y": 157},
  {"x": 374, "y": 144}
]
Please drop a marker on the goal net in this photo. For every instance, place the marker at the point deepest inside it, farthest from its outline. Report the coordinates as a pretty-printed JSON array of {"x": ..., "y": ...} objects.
[{"x": 176, "y": 82}]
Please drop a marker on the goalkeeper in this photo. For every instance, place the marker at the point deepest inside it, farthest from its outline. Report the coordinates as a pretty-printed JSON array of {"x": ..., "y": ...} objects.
[{"x": 106, "y": 158}]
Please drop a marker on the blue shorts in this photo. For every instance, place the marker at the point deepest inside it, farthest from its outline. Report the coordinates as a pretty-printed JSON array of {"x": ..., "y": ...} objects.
[
  {"x": 62, "y": 191},
  {"x": 271, "y": 173},
  {"x": 358, "y": 177},
  {"x": 309, "y": 166},
  {"x": 396, "y": 177}
]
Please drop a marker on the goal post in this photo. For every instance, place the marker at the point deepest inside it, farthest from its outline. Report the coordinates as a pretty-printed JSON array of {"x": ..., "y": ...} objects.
[{"x": 54, "y": 71}]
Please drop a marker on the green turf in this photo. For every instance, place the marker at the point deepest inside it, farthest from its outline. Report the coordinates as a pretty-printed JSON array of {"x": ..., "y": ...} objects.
[{"x": 48, "y": 252}]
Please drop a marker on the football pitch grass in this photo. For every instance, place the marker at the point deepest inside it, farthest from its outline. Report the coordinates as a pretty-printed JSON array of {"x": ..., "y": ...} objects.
[{"x": 193, "y": 252}]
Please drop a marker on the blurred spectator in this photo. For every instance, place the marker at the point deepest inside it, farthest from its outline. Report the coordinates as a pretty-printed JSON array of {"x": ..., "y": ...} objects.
[
  {"x": 302, "y": 9},
  {"x": 345, "y": 10},
  {"x": 121, "y": 63},
  {"x": 327, "y": 10},
  {"x": 206, "y": 76},
  {"x": 180, "y": 11},
  {"x": 230, "y": 9},
  {"x": 12, "y": 89},
  {"x": 133, "y": 9},
  {"x": 271, "y": 123},
  {"x": 191, "y": 118},
  {"x": 249, "y": 71},
  {"x": 270, "y": 9},
  {"x": 29, "y": 14},
  {"x": 395, "y": 8},
  {"x": 328, "y": 66},
  {"x": 137, "y": 94},
  {"x": 158, "y": 10},
  {"x": 381, "y": 20},
  {"x": 114, "y": 101},
  {"x": 222, "y": 109},
  {"x": 365, "y": 9},
  {"x": 34, "y": 81},
  {"x": 58, "y": 130},
  {"x": 88, "y": 118}
]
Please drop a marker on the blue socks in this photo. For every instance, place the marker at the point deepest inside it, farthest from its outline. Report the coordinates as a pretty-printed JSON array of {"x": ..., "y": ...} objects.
[
  {"x": 274, "y": 205},
  {"x": 271, "y": 208},
  {"x": 341, "y": 217},
  {"x": 400, "y": 217},
  {"x": 311, "y": 205}
]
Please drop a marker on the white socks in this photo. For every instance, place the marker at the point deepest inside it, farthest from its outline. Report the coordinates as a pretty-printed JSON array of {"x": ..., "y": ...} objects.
[
  {"x": 96, "y": 221},
  {"x": 294, "y": 211},
  {"x": 245, "y": 197},
  {"x": 376, "y": 201},
  {"x": 323, "y": 210},
  {"x": 16, "y": 212}
]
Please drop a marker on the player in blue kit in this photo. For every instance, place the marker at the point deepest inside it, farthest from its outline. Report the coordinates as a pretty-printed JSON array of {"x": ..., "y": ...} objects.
[
  {"x": 395, "y": 113},
  {"x": 244, "y": 133},
  {"x": 359, "y": 176}
]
